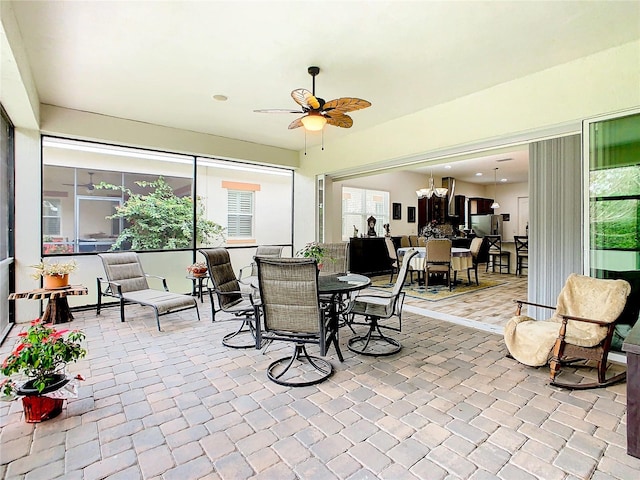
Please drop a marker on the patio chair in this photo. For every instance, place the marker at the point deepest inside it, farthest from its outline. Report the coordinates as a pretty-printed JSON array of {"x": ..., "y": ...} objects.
[
  {"x": 250, "y": 272},
  {"x": 581, "y": 328},
  {"x": 290, "y": 311},
  {"x": 126, "y": 281},
  {"x": 336, "y": 258},
  {"x": 377, "y": 307},
  {"x": 231, "y": 299}
]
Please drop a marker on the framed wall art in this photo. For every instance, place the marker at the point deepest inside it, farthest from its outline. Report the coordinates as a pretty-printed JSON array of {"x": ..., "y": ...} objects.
[
  {"x": 411, "y": 214},
  {"x": 397, "y": 211}
]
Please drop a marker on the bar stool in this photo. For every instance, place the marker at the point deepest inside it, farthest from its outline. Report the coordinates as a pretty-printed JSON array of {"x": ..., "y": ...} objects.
[
  {"x": 496, "y": 252},
  {"x": 522, "y": 253}
]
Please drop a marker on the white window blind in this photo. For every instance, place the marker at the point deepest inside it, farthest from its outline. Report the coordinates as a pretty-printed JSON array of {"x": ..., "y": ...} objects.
[
  {"x": 240, "y": 214},
  {"x": 51, "y": 217},
  {"x": 358, "y": 204}
]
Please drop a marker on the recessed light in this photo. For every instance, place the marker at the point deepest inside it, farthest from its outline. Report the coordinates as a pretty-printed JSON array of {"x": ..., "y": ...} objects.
[
  {"x": 221, "y": 98},
  {"x": 448, "y": 167},
  {"x": 503, "y": 179},
  {"x": 479, "y": 174}
]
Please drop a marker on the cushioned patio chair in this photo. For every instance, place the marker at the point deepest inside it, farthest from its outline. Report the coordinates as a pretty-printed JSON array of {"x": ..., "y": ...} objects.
[
  {"x": 126, "y": 281},
  {"x": 581, "y": 328},
  {"x": 250, "y": 272},
  {"x": 336, "y": 258},
  {"x": 375, "y": 308},
  {"x": 290, "y": 311},
  {"x": 231, "y": 299}
]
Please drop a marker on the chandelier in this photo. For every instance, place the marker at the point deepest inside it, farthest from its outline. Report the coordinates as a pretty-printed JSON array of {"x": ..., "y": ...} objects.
[{"x": 431, "y": 191}]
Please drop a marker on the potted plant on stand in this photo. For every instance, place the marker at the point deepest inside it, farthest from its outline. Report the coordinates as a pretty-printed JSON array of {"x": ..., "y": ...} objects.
[
  {"x": 55, "y": 275},
  {"x": 41, "y": 356}
]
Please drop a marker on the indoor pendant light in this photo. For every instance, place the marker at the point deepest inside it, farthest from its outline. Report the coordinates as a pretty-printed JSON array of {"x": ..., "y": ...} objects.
[
  {"x": 495, "y": 203},
  {"x": 431, "y": 191}
]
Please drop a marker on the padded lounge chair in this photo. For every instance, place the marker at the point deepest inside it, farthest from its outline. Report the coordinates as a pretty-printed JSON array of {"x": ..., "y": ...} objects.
[{"x": 126, "y": 281}]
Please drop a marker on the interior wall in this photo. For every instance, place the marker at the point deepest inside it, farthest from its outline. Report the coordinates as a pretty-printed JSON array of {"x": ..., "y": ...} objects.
[{"x": 402, "y": 188}]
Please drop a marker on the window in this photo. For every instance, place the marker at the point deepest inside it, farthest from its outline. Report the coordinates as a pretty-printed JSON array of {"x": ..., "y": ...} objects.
[
  {"x": 240, "y": 214},
  {"x": 51, "y": 217},
  {"x": 359, "y": 204}
]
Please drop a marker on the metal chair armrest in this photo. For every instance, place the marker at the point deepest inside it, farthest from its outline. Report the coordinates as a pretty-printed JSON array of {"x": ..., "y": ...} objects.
[{"x": 164, "y": 280}]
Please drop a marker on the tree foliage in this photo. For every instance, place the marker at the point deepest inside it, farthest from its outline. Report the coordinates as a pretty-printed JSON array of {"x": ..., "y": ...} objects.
[{"x": 160, "y": 220}]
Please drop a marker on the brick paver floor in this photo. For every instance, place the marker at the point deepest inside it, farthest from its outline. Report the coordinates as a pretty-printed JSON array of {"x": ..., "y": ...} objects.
[{"x": 178, "y": 405}]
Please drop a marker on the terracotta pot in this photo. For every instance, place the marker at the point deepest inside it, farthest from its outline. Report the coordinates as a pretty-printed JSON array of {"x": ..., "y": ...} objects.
[
  {"x": 38, "y": 408},
  {"x": 54, "y": 282},
  {"x": 198, "y": 272}
]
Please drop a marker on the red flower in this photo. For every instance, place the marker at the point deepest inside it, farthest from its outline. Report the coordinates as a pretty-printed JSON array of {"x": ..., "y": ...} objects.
[{"x": 22, "y": 334}]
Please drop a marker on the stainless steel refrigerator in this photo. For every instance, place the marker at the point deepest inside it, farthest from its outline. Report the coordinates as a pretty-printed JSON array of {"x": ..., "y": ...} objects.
[{"x": 484, "y": 225}]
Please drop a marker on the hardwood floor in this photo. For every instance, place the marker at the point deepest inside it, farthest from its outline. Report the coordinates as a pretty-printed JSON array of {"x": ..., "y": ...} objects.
[{"x": 488, "y": 309}]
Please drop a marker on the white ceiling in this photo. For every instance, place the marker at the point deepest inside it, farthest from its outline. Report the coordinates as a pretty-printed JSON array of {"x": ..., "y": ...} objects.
[{"x": 161, "y": 62}]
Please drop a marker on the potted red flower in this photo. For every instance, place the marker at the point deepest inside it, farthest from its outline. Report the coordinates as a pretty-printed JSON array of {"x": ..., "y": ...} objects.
[
  {"x": 197, "y": 269},
  {"x": 41, "y": 356}
]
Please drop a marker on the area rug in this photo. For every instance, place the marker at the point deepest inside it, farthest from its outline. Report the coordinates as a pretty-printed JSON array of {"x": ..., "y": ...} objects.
[{"x": 434, "y": 293}]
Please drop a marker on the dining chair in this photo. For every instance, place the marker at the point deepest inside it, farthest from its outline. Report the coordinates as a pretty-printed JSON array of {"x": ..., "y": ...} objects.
[
  {"x": 413, "y": 240},
  {"x": 127, "y": 281},
  {"x": 290, "y": 311},
  {"x": 375, "y": 308},
  {"x": 393, "y": 257},
  {"x": 581, "y": 328},
  {"x": 522, "y": 253},
  {"x": 438, "y": 260},
  {"x": 475, "y": 247},
  {"x": 404, "y": 241},
  {"x": 496, "y": 252},
  {"x": 231, "y": 298}
]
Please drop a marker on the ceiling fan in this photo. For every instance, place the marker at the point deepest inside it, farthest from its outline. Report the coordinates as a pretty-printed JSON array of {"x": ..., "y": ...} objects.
[
  {"x": 89, "y": 185},
  {"x": 317, "y": 112}
]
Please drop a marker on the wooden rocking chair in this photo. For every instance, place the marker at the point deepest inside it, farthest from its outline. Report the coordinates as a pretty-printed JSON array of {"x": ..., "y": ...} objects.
[{"x": 570, "y": 335}]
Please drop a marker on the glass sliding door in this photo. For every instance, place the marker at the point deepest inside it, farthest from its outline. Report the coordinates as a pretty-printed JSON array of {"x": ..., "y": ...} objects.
[
  {"x": 7, "y": 195},
  {"x": 612, "y": 223}
]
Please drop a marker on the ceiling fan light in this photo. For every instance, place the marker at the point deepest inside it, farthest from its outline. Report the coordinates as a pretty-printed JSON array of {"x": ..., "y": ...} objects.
[{"x": 313, "y": 122}]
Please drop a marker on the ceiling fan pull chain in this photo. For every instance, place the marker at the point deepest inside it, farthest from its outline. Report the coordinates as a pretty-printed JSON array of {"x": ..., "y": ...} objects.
[
  {"x": 305, "y": 141},
  {"x": 323, "y": 139}
]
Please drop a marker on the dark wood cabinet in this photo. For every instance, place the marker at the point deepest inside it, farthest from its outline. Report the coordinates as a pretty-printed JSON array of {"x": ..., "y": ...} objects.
[
  {"x": 434, "y": 208},
  {"x": 369, "y": 256},
  {"x": 480, "y": 206}
]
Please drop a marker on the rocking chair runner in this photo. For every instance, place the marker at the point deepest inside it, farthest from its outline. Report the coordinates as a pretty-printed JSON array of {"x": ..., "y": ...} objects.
[{"x": 572, "y": 333}]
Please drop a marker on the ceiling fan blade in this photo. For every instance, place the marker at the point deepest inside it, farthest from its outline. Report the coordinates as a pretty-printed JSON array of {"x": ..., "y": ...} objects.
[
  {"x": 346, "y": 104},
  {"x": 338, "y": 119},
  {"x": 296, "y": 123},
  {"x": 305, "y": 99},
  {"x": 278, "y": 110}
]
